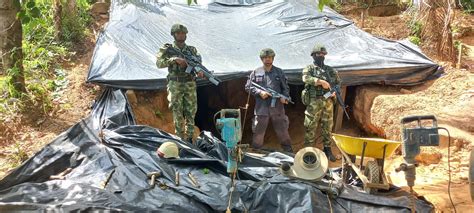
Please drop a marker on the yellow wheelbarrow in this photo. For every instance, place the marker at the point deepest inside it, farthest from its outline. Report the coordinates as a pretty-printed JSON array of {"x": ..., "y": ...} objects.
[{"x": 372, "y": 174}]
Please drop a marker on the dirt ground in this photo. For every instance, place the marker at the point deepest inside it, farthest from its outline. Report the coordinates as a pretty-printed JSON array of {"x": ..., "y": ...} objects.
[
  {"x": 28, "y": 135},
  {"x": 34, "y": 132},
  {"x": 450, "y": 98}
]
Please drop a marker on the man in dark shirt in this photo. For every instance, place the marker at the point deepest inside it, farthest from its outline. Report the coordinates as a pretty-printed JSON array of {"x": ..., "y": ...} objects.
[{"x": 272, "y": 77}]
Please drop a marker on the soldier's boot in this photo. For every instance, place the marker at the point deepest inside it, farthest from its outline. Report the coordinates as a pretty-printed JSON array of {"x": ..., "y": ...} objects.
[
  {"x": 329, "y": 155},
  {"x": 287, "y": 148}
]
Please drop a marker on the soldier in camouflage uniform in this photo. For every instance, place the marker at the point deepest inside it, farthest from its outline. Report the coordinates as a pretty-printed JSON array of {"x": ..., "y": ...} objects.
[
  {"x": 318, "y": 78},
  {"x": 269, "y": 76},
  {"x": 182, "y": 96}
]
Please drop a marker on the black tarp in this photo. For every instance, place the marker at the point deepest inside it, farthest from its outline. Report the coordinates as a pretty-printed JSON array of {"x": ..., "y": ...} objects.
[
  {"x": 108, "y": 140},
  {"x": 230, "y": 33}
]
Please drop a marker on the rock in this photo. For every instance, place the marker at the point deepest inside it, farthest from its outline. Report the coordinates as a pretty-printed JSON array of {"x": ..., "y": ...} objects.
[
  {"x": 405, "y": 91},
  {"x": 151, "y": 108},
  {"x": 429, "y": 158},
  {"x": 464, "y": 176},
  {"x": 460, "y": 115},
  {"x": 365, "y": 96}
]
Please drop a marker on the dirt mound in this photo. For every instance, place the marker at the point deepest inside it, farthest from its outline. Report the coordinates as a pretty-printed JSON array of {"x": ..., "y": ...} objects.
[{"x": 450, "y": 98}]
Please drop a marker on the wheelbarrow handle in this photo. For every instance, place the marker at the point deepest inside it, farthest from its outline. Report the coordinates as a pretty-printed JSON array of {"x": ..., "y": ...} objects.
[{"x": 418, "y": 118}]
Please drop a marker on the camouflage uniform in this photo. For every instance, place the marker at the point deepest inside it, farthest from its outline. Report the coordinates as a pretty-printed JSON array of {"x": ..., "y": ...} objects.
[
  {"x": 317, "y": 107},
  {"x": 181, "y": 89},
  {"x": 276, "y": 80}
]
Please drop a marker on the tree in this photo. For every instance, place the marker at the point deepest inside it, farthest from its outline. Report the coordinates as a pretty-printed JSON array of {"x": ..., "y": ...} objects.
[
  {"x": 10, "y": 45},
  {"x": 57, "y": 20},
  {"x": 436, "y": 17},
  {"x": 60, "y": 8}
]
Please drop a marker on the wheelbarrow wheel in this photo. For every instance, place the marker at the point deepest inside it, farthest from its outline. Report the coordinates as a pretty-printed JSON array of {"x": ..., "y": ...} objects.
[{"x": 372, "y": 172}]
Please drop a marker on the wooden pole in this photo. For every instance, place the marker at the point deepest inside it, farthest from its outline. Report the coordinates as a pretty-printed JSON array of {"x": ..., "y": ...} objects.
[
  {"x": 458, "y": 65},
  {"x": 339, "y": 115}
]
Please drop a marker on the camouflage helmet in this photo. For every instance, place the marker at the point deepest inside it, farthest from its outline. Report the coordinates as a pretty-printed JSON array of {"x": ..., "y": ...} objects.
[
  {"x": 178, "y": 28},
  {"x": 318, "y": 48},
  {"x": 267, "y": 52}
]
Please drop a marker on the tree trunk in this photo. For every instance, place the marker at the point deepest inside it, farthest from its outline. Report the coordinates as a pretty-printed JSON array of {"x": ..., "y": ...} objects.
[
  {"x": 10, "y": 44},
  {"x": 72, "y": 8},
  {"x": 57, "y": 14}
]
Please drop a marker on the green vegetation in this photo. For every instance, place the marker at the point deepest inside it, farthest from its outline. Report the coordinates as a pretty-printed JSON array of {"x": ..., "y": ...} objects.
[
  {"x": 335, "y": 6},
  {"x": 43, "y": 49},
  {"x": 19, "y": 155},
  {"x": 467, "y": 5},
  {"x": 415, "y": 31},
  {"x": 415, "y": 40},
  {"x": 330, "y": 3},
  {"x": 159, "y": 114}
]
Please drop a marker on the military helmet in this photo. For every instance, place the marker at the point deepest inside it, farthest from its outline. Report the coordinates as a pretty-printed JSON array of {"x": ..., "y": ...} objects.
[
  {"x": 168, "y": 150},
  {"x": 318, "y": 48},
  {"x": 267, "y": 52},
  {"x": 178, "y": 28}
]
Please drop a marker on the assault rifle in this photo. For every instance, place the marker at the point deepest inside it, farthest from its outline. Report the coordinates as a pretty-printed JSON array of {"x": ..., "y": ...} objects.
[
  {"x": 273, "y": 93},
  {"x": 194, "y": 65},
  {"x": 335, "y": 89}
]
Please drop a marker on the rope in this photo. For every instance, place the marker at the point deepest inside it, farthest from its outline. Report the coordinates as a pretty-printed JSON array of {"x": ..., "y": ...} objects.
[
  {"x": 232, "y": 186},
  {"x": 329, "y": 201},
  {"x": 327, "y": 194}
]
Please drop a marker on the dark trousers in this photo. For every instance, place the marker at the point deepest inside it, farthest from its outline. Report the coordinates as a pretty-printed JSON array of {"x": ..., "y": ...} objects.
[{"x": 280, "y": 124}]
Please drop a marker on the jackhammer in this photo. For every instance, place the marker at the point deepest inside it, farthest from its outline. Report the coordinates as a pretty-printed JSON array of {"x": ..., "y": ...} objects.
[
  {"x": 414, "y": 137},
  {"x": 229, "y": 125}
]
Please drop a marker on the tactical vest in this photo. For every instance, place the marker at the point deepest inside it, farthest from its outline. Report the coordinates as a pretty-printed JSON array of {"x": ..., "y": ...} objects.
[
  {"x": 176, "y": 71},
  {"x": 315, "y": 71}
]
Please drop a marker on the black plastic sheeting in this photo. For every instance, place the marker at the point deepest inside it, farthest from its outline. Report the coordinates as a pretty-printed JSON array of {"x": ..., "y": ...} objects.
[
  {"x": 109, "y": 141},
  {"x": 230, "y": 33}
]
